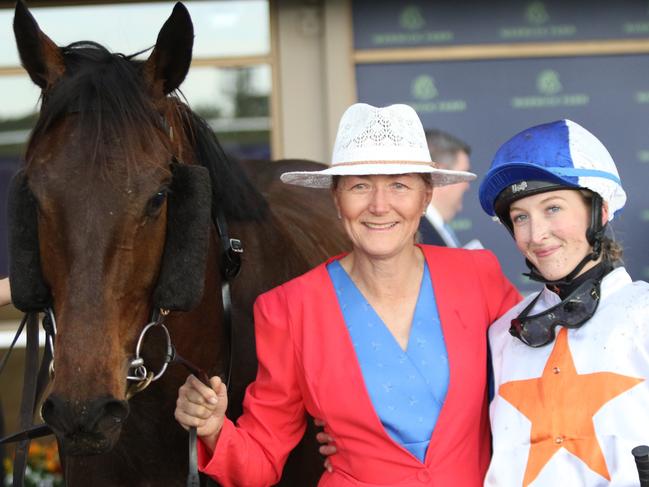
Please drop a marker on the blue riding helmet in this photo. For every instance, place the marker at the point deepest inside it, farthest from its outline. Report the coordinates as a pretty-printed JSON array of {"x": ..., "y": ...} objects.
[{"x": 555, "y": 155}]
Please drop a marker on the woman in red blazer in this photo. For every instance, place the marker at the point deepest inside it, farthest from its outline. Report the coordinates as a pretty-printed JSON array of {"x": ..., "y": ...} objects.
[{"x": 386, "y": 344}]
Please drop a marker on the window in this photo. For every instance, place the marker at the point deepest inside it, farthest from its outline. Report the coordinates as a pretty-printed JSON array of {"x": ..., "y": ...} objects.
[{"x": 229, "y": 83}]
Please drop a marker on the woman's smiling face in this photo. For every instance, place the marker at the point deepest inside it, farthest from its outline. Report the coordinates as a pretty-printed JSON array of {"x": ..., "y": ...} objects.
[
  {"x": 381, "y": 213},
  {"x": 550, "y": 231}
]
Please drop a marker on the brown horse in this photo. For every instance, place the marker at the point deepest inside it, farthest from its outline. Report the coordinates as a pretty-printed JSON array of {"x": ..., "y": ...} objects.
[{"x": 111, "y": 219}]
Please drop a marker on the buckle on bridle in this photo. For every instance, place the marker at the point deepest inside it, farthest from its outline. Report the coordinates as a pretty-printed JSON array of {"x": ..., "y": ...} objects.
[{"x": 236, "y": 246}]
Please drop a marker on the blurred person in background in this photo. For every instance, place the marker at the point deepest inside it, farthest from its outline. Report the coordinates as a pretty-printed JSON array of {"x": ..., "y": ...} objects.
[{"x": 447, "y": 152}]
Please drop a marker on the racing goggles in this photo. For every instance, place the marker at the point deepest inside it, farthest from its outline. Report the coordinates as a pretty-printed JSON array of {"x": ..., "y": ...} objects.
[{"x": 539, "y": 329}]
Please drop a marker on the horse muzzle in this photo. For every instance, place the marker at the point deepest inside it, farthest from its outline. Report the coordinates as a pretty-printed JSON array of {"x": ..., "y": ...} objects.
[{"x": 85, "y": 427}]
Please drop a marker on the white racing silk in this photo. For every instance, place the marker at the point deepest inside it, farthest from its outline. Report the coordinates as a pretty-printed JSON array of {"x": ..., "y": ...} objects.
[{"x": 569, "y": 413}]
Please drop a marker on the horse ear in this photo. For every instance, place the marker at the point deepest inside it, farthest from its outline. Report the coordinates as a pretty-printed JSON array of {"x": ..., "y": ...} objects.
[
  {"x": 168, "y": 64},
  {"x": 39, "y": 55}
]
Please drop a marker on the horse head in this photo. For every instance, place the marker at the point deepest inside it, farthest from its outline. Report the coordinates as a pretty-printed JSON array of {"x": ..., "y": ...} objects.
[{"x": 105, "y": 224}]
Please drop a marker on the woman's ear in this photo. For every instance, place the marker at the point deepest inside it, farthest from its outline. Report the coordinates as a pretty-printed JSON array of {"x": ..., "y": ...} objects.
[
  {"x": 429, "y": 195},
  {"x": 334, "y": 196}
]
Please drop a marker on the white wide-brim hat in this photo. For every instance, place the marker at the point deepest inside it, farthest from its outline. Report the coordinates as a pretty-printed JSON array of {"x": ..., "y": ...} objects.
[{"x": 378, "y": 140}]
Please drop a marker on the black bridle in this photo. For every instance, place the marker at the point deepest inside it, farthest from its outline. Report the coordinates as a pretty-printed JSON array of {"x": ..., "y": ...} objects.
[
  {"x": 34, "y": 384},
  {"x": 231, "y": 250},
  {"x": 141, "y": 377}
]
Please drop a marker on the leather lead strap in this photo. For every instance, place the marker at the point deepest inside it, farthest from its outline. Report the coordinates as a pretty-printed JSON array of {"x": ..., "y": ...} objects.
[
  {"x": 229, "y": 330},
  {"x": 37, "y": 431},
  {"x": 193, "y": 480},
  {"x": 43, "y": 377},
  {"x": 33, "y": 387},
  {"x": 29, "y": 398},
  {"x": 230, "y": 268}
]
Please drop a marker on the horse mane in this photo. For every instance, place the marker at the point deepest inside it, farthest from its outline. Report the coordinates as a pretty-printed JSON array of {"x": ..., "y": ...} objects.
[
  {"x": 115, "y": 112},
  {"x": 232, "y": 190}
]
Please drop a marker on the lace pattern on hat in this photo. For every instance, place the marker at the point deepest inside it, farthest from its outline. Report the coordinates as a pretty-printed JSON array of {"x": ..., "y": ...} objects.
[{"x": 379, "y": 131}]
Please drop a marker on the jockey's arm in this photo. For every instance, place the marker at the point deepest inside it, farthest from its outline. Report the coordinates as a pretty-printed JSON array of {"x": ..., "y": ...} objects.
[{"x": 5, "y": 293}]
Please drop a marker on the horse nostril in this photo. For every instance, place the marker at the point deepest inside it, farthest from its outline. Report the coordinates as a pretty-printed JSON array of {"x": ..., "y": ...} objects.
[
  {"x": 89, "y": 417},
  {"x": 47, "y": 410},
  {"x": 54, "y": 411},
  {"x": 117, "y": 410}
]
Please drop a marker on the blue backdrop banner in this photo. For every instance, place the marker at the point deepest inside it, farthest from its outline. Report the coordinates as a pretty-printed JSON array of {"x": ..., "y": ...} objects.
[{"x": 487, "y": 102}]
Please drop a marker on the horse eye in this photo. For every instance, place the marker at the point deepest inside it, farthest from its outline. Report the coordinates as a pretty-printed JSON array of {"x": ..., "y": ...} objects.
[{"x": 156, "y": 202}]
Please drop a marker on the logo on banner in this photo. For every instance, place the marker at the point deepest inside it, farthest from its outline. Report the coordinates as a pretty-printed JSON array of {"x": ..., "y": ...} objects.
[
  {"x": 423, "y": 88},
  {"x": 537, "y": 18},
  {"x": 425, "y": 95},
  {"x": 536, "y": 14},
  {"x": 638, "y": 26},
  {"x": 643, "y": 155},
  {"x": 411, "y": 18},
  {"x": 549, "y": 87},
  {"x": 461, "y": 224},
  {"x": 642, "y": 97},
  {"x": 548, "y": 83}
]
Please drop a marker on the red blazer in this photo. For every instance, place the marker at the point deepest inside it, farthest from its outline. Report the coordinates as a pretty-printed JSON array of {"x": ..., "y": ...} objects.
[{"x": 307, "y": 363}]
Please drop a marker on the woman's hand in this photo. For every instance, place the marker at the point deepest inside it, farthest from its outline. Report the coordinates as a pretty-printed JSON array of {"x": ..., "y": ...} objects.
[
  {"x": 202, "y": 407},
  {"x": 327, "y": 447},
  {"x": 5, "y": 292}
]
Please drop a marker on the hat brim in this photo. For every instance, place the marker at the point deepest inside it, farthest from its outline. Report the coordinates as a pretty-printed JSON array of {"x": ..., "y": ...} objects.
[{"x": 322, "y": 179}]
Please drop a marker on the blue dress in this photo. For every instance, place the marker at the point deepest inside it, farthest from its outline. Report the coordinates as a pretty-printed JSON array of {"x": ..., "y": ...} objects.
[{"x": 407, "y": 389}]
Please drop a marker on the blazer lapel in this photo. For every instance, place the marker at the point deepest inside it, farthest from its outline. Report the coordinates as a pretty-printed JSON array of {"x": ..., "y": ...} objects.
[{"x": 448, "y": 293}]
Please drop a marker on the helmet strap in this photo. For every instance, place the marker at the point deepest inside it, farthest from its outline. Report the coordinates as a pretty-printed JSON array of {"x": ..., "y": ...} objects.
[
  {"x": 595, "y": 232},
  {"x": 535, "y": 275}
]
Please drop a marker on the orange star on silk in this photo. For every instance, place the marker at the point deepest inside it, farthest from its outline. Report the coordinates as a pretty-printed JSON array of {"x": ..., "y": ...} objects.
[{"x": 561, "y": 404}]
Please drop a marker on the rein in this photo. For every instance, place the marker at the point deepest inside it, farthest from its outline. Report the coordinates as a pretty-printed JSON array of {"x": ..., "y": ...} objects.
[
  {"x": 232, "y": 249},
  {"x": 34, "y": 383},
  {"x": 139, "y": 375}
]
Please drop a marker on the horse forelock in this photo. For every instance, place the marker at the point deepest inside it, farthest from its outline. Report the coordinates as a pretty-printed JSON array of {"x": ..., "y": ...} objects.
[{"x": 104, "y": 96}]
